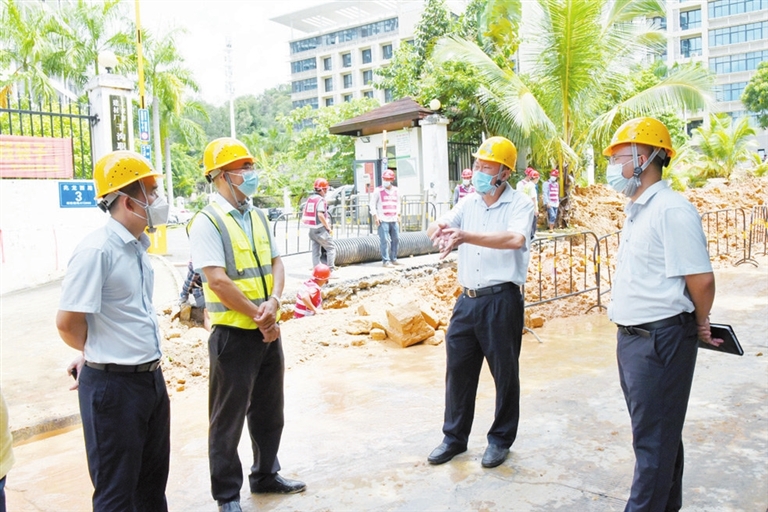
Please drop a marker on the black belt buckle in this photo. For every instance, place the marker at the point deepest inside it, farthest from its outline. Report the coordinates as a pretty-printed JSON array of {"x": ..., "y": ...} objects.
[{"x": 472, "y": 294}]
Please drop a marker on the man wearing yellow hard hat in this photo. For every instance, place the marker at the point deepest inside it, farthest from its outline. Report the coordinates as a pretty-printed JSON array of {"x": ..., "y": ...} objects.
[
  {"x": 106, "y": 312},
  {"x": 243, "y": 278},
  {"x": 492, "y": 230},
  {"x": 663, "y": 289}
]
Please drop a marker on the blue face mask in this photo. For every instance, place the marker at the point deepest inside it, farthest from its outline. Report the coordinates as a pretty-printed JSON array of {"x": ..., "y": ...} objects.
[
  {"x": 250, "y": 183},
  {"x": 613, "y": 174},
  {"x": 482, "y": 182}
]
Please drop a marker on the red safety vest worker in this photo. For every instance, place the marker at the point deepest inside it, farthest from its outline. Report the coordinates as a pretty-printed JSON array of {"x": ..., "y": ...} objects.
[{"x": 312, "y": 209}]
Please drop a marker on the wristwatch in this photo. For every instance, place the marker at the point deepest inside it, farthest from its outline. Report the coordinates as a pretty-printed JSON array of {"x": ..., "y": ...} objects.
[{"x": 277, "y": 299}]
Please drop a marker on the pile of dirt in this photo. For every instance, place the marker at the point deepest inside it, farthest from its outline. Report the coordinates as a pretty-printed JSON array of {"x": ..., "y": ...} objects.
[{"x": 556, "y": 270}]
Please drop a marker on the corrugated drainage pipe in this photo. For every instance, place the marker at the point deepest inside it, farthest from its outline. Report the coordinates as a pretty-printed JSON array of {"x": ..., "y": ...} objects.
[{"x": 364, "y": 249}]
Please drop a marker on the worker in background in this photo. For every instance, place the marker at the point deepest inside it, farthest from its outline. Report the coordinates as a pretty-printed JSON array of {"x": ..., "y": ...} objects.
[
  {"x": 193, "y": 287},
  {"x": 463, "y": 188},
  {"x": 106, "y": 312},
  {"x": 315, "y": 217},
  {"x": 385, "y": 208},
  {"x": 309, "y": 297},
  {"x": 663, "y": 290},
  {"x": 491, "y": 229},
  {"x": 528, "y": 187},
  {"x": 243, "y": 278},
  {"x": 551, "y": 196}
]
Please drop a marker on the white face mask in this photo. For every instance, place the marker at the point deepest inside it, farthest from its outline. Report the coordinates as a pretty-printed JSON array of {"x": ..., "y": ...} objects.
[
  {"x": 387, "y": 184},
  {"x": 156, "y": 213},
  {"x": 465, "y": 182}
]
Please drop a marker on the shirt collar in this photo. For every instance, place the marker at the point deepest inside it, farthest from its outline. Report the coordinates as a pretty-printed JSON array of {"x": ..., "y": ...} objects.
[
  {"x": 227, "y": 206},
  {"x": 126, "y": 235},
  {"x": 651, "y": 191}
]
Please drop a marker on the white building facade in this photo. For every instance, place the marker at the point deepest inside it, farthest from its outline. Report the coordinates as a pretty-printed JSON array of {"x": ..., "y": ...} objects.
[{"x": 730, "y": 37}]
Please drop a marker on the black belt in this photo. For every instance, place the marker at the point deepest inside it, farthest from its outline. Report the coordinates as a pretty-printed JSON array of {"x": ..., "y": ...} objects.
[
  {"x": 139, "y": 368},
  {"x": 489, "y": 290},
  {"x": 644, "y": 330}
]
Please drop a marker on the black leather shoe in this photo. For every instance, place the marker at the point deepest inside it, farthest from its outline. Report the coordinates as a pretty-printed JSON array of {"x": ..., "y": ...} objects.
[
  {"x": 230, "y": 506},
  {"x": 444, "y": 453},
  {"x": 279, "y": 485},
  {"x": 494, "y": 455}
]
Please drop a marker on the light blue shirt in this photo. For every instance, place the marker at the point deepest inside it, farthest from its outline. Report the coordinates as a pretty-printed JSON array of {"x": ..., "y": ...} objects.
[
  {"x": 110, "y": 279},
  {"x": 205, "y": 241},
  {"x": 482, "y": 266},
  {"x": 662, "y": 242}
]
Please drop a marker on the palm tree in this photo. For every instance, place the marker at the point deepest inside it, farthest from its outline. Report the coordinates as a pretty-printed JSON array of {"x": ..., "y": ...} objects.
[
  {"x": 720, "y": 145},
  {"x": 577, "y": 57}
]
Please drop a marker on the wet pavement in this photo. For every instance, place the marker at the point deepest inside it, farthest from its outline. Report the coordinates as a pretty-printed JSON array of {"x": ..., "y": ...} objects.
[{"x": 359, "y": 428}]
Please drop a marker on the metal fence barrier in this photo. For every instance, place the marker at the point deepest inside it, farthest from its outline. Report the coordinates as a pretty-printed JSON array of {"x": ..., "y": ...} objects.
[
  {"x": 758, "y": 231},
  {"x": 727, "y": 233}
]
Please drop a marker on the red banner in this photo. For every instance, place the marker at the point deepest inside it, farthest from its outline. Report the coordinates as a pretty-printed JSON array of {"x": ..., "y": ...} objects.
[{"x": 35, "y": 157}]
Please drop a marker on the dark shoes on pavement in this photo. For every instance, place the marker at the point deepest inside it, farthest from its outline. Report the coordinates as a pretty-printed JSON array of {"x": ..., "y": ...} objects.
[
  {"x": 444, "y": 453},
  {"x": 494, "y": 455},
  {"x": 279, "y": 485},
  {"x": 230, "y": 506}
]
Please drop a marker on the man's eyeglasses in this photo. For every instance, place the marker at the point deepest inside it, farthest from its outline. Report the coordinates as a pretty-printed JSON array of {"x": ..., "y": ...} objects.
[{"x": 612, "y": 159}]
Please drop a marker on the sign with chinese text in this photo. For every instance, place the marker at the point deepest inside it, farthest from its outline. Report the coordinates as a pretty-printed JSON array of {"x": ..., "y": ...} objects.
[
  {"x": 35, "y": 157},
  {"x": 118, "y": 117},
  {"x": 77, "y": 194}
]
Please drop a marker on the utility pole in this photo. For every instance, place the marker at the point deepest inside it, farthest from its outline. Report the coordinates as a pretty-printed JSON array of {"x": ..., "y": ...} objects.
[{"x": 230, "y": 86}]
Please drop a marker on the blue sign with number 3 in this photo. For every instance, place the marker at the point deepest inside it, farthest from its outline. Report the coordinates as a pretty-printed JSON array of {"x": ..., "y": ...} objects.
[{"x": 77, "y": 194}]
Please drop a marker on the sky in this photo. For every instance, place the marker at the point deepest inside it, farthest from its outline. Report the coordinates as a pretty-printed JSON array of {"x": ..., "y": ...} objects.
[{"x": 259, "y": 46}]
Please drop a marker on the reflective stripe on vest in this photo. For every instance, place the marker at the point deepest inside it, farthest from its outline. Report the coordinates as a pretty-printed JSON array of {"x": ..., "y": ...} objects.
[
  {"x": 311, "y": 211},
  {"x": 554, "y": 192},
  {"x": 388, "y": 202},
  {"x": 241, "y": 265}
]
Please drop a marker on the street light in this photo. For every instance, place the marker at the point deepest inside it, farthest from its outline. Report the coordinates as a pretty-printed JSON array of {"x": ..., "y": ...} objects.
[
  {"x": 107, "y": 60},
  {"x": 435, "y": 104}
]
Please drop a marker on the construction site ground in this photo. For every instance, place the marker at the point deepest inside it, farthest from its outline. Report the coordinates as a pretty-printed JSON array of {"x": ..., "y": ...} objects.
[{"x": 362, "y": 415}]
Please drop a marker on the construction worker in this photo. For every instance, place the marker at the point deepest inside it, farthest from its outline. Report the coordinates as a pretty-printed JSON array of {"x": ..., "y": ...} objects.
[
  {"x": 243, "y": 277},
  {"x": 385, "y": 208},
  {"x": 663, "y": 289},
  {"x": 315, "y": 217},
  {"x": 106, "y": 312},
  {"x": 551, "y": 196},
  {"x": 309, "y": 297},
  {"x": 463, "y": 188},
  {"x": 491, "y": 229},
  {"x": 527, "y": 186}
]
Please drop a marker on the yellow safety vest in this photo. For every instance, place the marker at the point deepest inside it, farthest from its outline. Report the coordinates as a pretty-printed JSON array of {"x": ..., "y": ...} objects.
[{"x": 249, "y": 267}]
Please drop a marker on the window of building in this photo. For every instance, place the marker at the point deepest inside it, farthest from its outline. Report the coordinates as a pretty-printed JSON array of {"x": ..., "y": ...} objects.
[
  {"x": 327, "y": 64},
  {"x": 347, "y": 80},
  {"x": 409, "y": 41},
  {"x": 386, "y": 51},
  {"x": 737, "y": 62},
  {"x": 328, "y": 102},
  {"x": 304, "y": 85},
  {"x": 328, "y": 84},
  {"x": 692, "y": 125},
  {"x": 308, "y": 101},
  {"x": 690, "y": 19},
  {"x": 346, "y": 60},
  {"x": 738, "y": 34},
  {"x": 303, "y": 65},
  {"x": 660, "y": 22},
  {"x": 720, "y": 8},
  {"x": 347, "y": 98},
  {"x": 342, "y": 36},
  {"x": 366, "y": 56},
  {"x": 367, "y": 77},
  {"x": 730, "y": 92},
  {"x": 387, "y": 95},
  {"x": 368, "y": 94},
  {"x": 690, "y": 47}
]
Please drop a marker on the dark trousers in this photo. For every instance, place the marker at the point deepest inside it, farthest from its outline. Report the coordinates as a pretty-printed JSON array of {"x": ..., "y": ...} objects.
[
  {"x": 489, "y": 327},
  {"x": 656, "y": 375},
  {"x": 245, "y": 383},
  {"x": 127, "y": 427}
]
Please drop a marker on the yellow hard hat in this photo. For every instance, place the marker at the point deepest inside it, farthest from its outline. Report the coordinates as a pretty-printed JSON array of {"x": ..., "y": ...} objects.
[
  {"x": 222, "y": 152},
  {"x": 642, "y": 130},
  {"x": 499, "y": 150},
  {"x": 118, "y": 169}
]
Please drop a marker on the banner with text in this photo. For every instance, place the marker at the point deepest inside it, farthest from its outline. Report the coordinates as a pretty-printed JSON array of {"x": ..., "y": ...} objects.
[{"x": 35, "y": 157}]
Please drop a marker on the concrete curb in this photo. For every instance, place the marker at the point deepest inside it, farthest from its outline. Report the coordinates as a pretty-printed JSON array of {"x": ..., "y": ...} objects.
[{"x": 46, "y": 426}]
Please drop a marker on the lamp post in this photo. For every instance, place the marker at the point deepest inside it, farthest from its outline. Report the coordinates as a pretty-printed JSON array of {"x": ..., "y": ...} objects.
[{"x": 107, "y": 60}]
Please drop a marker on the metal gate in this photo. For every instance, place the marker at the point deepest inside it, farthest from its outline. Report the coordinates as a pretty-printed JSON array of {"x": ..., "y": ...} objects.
[{"x": 460, "y": 158}]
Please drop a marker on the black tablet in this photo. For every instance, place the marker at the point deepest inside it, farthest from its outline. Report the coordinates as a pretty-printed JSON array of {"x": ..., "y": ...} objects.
[{"x": 730, "y": 344}]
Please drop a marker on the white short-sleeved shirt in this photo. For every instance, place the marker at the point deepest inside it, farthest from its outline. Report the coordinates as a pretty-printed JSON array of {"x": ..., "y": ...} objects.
[
  {"x": 662, "y": 242},
  {"x": 205, "y": 241},
  {"x": 481, "y": 266},
  {"x": 110, "y": 279}
]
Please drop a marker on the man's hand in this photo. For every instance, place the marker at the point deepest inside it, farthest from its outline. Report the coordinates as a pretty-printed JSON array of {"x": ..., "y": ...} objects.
[
  {"x": 266, "y": 319},
  {"x": 449, "y": 239},
  {"x": 705, "y": 334},
  {"x": 377, "y": 221},
  {"x": 74, "y": 369}
]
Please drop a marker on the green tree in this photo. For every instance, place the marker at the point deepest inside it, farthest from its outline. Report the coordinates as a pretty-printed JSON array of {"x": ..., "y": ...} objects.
[
  {"x": 578, "y": 53},
  {"x": 755, "y": 95},
  {"x": 720, "y": 145}
]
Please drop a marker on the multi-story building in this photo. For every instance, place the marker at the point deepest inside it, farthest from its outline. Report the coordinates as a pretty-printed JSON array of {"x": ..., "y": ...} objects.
[
  {"x": 730, "y": 37},
  {"x": 340, "y": 44}
]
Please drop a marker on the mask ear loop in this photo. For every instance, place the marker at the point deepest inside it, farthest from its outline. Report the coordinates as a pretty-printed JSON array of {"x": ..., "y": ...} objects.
[{"x": 240, "y": 204}]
